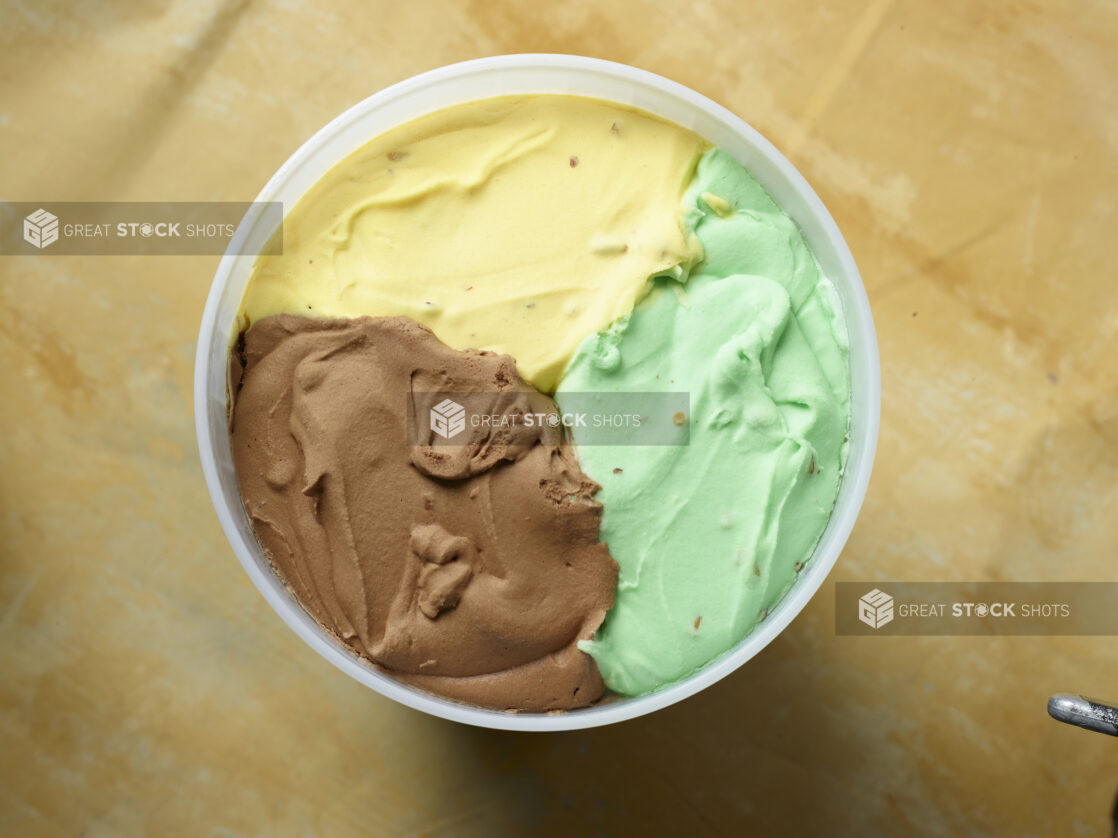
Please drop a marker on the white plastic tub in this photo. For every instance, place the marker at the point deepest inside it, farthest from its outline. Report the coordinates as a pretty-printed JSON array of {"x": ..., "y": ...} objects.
[{"x": 533, "y": 74}]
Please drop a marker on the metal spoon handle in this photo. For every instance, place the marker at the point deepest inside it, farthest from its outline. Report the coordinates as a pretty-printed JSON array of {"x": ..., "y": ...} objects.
[{"x": 1083, "y": 712}]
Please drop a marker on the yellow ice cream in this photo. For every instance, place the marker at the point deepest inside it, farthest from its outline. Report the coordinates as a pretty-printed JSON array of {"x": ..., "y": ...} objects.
[{"x": 519, "y": 224}]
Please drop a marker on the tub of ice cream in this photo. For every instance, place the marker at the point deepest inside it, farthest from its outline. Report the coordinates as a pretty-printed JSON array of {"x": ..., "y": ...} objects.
[{"x": 506, "y": 239}]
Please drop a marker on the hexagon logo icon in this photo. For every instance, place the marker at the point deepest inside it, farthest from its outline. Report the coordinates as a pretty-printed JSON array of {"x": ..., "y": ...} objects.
[
  {"x": 40, "y": 228},
  {"x": 875, "y": 609},
  {"x": 448, "y": 418}
]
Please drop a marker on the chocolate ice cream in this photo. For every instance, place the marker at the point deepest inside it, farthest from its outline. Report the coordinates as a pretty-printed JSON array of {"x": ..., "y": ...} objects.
[{"x": 469, "y": 569}]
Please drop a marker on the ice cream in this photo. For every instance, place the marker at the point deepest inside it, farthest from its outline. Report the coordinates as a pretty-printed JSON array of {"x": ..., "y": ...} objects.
[
  {"x": 711, "y": 535},
  {"x": 509, "y": 248},
  {"x": 519, "y": 224},
  {"x": 470, "y": 569}
]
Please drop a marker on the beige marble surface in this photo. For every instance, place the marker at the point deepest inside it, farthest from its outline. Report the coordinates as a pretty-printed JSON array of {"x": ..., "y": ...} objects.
[{"x": 967, "y": 149}]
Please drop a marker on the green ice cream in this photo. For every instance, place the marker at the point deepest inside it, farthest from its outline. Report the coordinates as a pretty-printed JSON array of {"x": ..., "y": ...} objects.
[{"x": 711, "y": 535}]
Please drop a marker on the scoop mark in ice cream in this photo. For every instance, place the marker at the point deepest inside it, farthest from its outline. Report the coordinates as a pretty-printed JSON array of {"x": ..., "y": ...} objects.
[{"x": 469, "y": 570}]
